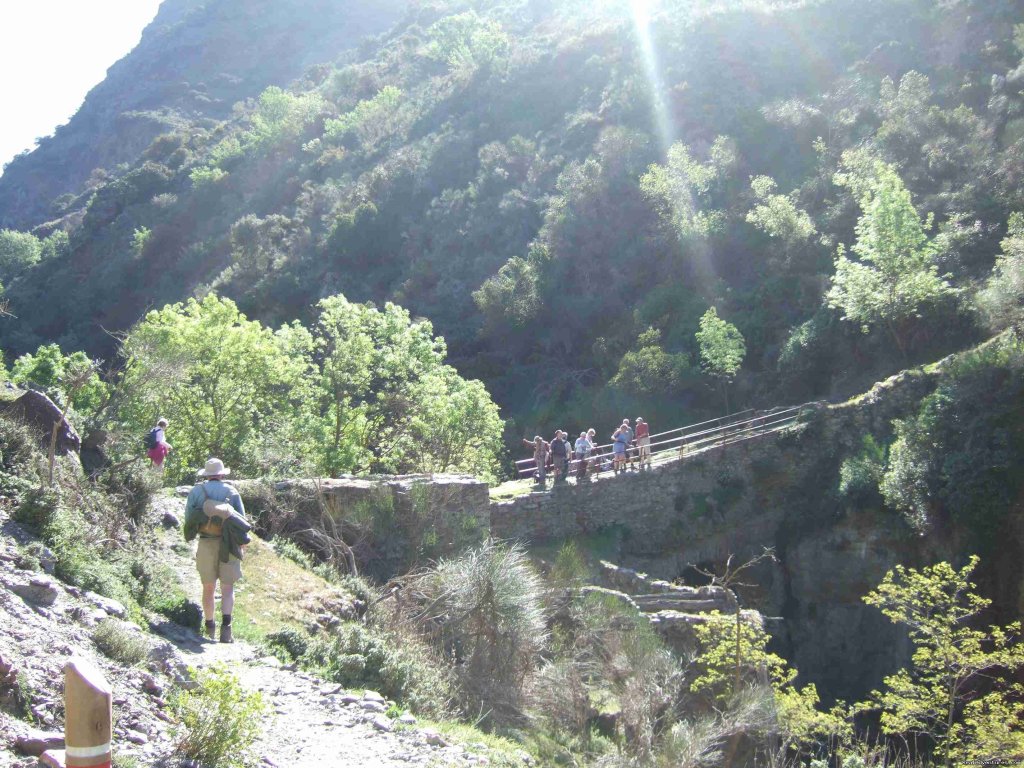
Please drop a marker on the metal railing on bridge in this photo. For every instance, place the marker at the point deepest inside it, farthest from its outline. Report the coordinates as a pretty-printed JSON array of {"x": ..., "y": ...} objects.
[{"x": 679, "y": 442}]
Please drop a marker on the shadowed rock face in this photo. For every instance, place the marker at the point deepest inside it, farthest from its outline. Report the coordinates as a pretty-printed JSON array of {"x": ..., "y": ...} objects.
[{"x": 195, "y": 60}]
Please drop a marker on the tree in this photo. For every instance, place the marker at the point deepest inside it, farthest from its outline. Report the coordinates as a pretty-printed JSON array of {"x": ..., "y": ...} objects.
[
  {"x": 896, "y": 275},
  {"x": 959, "y": 691},
  {"x": 465, "y": 41},
  {"x": 71, "y": 380},
  {"x": 1002, "y": 298},
  {"x": 777, "y": 215},
  {"x": 18, "y": 252},
  {"x": 227, "y": 384},
  {"x": 371, "y": 121},
  {"x": 681, "y": 189},
  {"x": 722, "y": 349},
  {"x": 387, "y": 401}
]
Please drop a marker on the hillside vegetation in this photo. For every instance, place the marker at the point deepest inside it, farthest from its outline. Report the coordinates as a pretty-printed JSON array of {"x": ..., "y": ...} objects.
[{"x": 564, "y": 189}]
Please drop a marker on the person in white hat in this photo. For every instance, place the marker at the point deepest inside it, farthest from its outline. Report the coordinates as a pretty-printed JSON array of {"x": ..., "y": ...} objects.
[{"x": 214, "y": 511}]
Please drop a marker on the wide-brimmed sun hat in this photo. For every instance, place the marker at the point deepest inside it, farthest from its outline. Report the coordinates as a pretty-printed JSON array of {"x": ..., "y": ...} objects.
[{"x": 214, "y": 467}]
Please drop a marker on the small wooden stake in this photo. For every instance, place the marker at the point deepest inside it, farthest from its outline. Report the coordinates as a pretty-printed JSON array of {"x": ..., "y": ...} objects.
[{"x": 88, "y": 715}]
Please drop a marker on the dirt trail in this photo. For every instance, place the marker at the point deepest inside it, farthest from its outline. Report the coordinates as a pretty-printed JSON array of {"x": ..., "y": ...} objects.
[
  {"x": 313, "y": 723},
  {"x": 309, "y": 722}
]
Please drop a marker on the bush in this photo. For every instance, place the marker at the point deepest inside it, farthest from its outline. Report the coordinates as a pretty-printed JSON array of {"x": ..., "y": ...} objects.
[
  {"x": 131, "y": 489},
  {"x": 83, "y": 528},
  {"x": 397, "y": 667},
  {"x": 290, "y": 551},
  {"x": 219, "y": 720},
  {"x": 121, "y": 642},
  {"x": 158, "y": 589},
  {"x": 494, "y": 625},
  {"x": 18, "y": 454},
  {"x": 860, "y": 475},
  {"x": 291, "y": 644}
]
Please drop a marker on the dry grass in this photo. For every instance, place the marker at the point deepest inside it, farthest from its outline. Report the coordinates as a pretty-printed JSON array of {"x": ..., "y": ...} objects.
[{"x": 276, "y": 592}]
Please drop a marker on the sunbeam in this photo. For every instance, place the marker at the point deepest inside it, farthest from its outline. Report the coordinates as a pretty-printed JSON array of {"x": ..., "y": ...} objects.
[{"x": 697, "y": 251}]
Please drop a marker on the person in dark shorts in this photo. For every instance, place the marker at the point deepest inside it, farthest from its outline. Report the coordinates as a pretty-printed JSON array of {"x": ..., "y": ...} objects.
[{"x": 560, "y": 455}]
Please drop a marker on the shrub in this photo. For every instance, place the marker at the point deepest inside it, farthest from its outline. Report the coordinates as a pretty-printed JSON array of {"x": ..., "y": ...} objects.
[
  {"x": 860, "y": 475},
  {"x": 289, "y": 643},
  {"x": 494, "y": 624},
  {"x": 120, "y": 641},
  {"x": 131, "y": 489},
  {"x": 17, "y": 456},
  {"x": 219, "y": 720},
  {"x": 290, "y": 551},
  {"x": 158, "y": 589},
  {"x": 398, "y": 667}
]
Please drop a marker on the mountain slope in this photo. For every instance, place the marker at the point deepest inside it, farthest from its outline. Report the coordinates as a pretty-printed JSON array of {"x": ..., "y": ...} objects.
[
  {"x": 565, "y": 188},
  {"x": 194, "y": 62}
]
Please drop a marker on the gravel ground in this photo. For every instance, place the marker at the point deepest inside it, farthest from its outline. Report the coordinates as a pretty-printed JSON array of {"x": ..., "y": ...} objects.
[{"x": 43, "y": 622}]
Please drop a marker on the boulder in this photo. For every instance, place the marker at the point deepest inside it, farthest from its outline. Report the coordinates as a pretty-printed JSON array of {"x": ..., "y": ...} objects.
[
  {"x": 35, "y": 743},
  {"x": 38, "y": 590},
  {"x": 112, "y": 607},
  {"x": 40, "y": 413}
]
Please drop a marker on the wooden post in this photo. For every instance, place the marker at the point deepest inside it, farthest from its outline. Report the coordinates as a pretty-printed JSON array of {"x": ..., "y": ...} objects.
[{"x": 88, "y": 715}]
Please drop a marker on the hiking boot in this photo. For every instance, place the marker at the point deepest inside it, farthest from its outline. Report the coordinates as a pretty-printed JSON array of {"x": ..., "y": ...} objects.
[
  {"x": 211, "y": 629},
  {"x": 225, "y": 633}
]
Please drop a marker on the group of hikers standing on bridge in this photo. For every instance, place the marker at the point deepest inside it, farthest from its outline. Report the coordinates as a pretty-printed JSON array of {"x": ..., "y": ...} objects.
[{"x": 630, "y": 449}]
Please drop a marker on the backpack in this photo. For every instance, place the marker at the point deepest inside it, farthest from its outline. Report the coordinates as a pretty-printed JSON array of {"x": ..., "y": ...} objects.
[
  {"x": 218, "y": 512},
  {"x": 150, "y": 440}
]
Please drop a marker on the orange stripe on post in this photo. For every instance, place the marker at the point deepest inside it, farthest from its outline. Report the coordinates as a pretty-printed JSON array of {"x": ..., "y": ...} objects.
[{"x": 88, "y": 715}]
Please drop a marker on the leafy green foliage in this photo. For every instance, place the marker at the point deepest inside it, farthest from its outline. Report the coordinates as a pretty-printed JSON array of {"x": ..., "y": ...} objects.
[
  {"x": 861, "y": 474},
  {"x": 19, "y": 251},
  {"x": 225, "y": 381},
  {"x": 726, "y": 641},
  {"x": 957, "y": 453},
  {"x": 1002, "y": 297},
  {"x": 777, "y": 216},
  {"x": 388, "y": 402},
  {"x": 53, "y": 371},
  {"x": 397, "y": 667},
  {"x": 370, "y": 121},
  {"x": 938, "y": 605},
  {"x": 467, "y": 41},
  {"x": 219, "y": 721},
  {"x": 896, "y": 274},
  {"x": 680, "y": 188},
  {"x": 722, "y": 348}
]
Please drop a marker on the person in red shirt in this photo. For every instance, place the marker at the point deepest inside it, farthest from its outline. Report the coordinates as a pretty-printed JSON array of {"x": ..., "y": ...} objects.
[{"x": 642, "y": 435}]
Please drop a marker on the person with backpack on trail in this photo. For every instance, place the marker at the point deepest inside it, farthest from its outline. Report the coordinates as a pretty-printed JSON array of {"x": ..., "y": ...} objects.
[
  {"x": 214, "y": 511},
  {"x": 156, "y": 444}
]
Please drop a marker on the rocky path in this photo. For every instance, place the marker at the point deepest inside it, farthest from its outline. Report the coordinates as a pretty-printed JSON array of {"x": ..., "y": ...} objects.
[
  {"x": 309, "y": 722},
  {"x": 312, "y": 723}
]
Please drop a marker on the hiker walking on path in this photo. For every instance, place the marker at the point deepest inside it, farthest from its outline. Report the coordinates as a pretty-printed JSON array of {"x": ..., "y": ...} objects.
[
  {"x": 157, "y": 446},
  {"x": 215, "y": 513},
  {"x": 540, "y": 456},
  {"x": 583, "y": 449},
  {"x": 620, "y": 439},
  {"x": 643, "y": 441}
]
